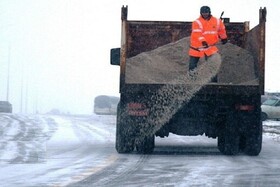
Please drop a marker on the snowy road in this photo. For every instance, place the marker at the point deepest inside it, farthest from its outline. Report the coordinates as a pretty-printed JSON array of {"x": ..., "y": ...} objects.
[{"x": 42, "y": 150}]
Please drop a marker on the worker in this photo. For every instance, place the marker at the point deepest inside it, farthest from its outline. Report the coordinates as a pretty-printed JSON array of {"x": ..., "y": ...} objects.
[{"x": 207, "y": 30}]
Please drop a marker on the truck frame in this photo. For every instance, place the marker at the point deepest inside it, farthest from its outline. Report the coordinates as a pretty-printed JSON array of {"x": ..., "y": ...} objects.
[{"x": 229, "y": 112}]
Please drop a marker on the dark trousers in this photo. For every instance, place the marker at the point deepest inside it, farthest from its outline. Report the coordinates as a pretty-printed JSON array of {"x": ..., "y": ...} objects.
[{"x": 193, "y": 64}]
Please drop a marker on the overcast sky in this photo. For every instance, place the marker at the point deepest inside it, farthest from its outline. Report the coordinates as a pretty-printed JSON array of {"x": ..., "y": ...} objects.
[{"x": 59, "y": 50}]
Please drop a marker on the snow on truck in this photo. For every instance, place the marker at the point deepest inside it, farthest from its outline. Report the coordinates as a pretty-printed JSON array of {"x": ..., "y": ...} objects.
[{"x": 158, "y": 95}]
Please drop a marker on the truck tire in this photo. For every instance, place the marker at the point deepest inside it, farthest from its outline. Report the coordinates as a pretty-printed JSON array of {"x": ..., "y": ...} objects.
[
  {"x": 253, "y": 142},
  {"x": 124, "y": 134},
  {"x": 145, "y": 145},
  {"x": 228, "y": 138}
]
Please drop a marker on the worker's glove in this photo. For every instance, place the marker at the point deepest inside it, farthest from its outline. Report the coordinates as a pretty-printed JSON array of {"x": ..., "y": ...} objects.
[
  {"x": 224, "y": 41},
  {"x": 205, "y": 44}
]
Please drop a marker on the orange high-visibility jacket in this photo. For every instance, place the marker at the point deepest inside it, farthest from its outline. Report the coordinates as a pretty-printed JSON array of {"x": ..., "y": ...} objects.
[{"x": 206, "y": 30}]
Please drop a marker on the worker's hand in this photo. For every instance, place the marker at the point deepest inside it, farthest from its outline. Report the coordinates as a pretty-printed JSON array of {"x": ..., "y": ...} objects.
[
  {"x": 205, "y": 44},
  {"x": 224, "y": 41}
]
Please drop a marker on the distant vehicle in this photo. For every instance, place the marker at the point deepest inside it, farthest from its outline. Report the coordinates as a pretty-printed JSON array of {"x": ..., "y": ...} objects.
[
  {"x": 105, "y": 105},
  {"x": 6, "y": 107},
  {"x": 266, "y": 97},
  {"x": 271, "y": 109}
]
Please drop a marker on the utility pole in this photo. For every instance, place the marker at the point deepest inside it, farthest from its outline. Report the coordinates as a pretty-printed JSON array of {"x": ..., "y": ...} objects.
[
  {"x": 26, "y": 95},
  {"x": 21, "y": 89},
  {"x": 8, "y": 76}
]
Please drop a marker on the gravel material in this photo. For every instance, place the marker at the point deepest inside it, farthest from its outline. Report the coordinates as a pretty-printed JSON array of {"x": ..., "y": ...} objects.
[{"x": 168, "y": 64}]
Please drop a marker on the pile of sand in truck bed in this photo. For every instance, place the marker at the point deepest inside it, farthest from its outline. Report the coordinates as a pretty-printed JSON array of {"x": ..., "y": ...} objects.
[{"x": 168, "y": 64}]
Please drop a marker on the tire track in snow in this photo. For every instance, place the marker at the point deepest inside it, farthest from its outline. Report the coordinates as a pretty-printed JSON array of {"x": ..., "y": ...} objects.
[
  {"x": 23, "y": 138},
  {"x": 89, "y": 156}
]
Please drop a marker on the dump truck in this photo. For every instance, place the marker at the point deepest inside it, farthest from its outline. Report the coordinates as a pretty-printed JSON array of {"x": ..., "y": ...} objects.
[{"x": 158, "y": 96}]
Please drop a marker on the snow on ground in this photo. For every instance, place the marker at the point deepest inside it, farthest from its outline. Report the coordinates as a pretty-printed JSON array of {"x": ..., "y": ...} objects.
[
  {"x": 39, "y": 149},
  {"x": 42, "y": 149},
  {"x": 271, "y": 128},
  {"x": 24, "y": 138}
]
